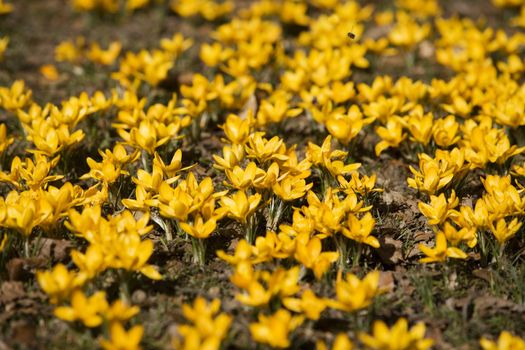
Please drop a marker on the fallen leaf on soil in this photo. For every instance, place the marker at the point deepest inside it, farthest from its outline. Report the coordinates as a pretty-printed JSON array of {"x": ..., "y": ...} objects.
[
  {"x": 386, "y": 281},
  {"x": 403, "y": 282},
  {"x": 484, "y": 274},
  {"x": 462, "y": 304},
  {"x": 185, "y": 78},
  {"x": 55, "y": 249},
  {"x": 489, "y": 305},
  {"x": 390, "y": 250},
  {"x": 435, "y": 333},
  {"x": 392, "y": 197},
  {"x": 421, "y": 236},
  {"x": 24, "y": 333},
  {"x": 11, "y": 291},
  {"x": 19, "y": 269}
]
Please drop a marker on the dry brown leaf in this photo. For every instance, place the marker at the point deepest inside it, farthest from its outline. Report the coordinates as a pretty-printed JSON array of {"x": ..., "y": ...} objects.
[
  {"x": 55, "y": 249},
  {"x": 484, "y": 274},
  {"x": 185, "y": 78},
  {"x": 391, "y": 197},
  {"x": 11, "y": 291},
  {"x": 402, "y": 281},
  {"x": 20, "y": 269},
  {"x": 486, "y": 305},
  {"x": 386, "y": 281},
  {"x": 390, "y": 250},
  {"x": 3, "y": 346},
  {"x": 23, "y": 333},
  {"x": 421, "y": 236}
]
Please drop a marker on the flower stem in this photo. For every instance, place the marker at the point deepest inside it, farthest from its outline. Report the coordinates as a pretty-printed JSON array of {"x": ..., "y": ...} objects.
[
  {"x": 276, "y": 210},
  {"x": 27, "y": 251},
  {"x": 199, "y": 250},
  {"x": 342, "y": 247},
  {"x": 196, "y": 128},
  {"x": 125, "y": 291},
  {"x": 144, "y": 159},
  {"x": 357, "y": 252},
  {"x": 498, "y": 254},
  {"x": 483, "y": 247},
  {"x": 251, "y": 228}
]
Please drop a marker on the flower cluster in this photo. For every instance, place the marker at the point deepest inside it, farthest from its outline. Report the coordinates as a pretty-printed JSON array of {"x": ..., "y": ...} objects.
[
  {"x": 78, "y": 50},
  {"x": 150, "y": 67},
  {"x": 208, "y": 9},
  {"x": 270, "y": 154},
  {"x": 110, "y": 6}
]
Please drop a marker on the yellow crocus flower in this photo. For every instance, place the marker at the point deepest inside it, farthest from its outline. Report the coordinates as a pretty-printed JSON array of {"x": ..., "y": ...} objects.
[
  {"x": 276, "y": 108},
  {"x": 432, "y": 175},
  {"x": 88, "y": 310},
  {"x": 91, "y": 262},
  {"x": 243, "y": 253},
  {"x": 291, "y": 188},
  {"x": 345, "y": 127},
  {"x": 255, "y": 295},
  {"x": 237, "y": 130},
  {"x": 24, "y": 211},
  {"x": 214, "y": 54},
  {"x": 70, "y": 51},
  {"x": 243, "y": 179},
  {"x": 503, "y": 230},
  {"x": 121, "y": 339},
  {"x": 274, "y": 329},
  {"x": 382, "y": 108},
  {"x": 353, "y": 293},
  {"x": 264, "y": 150},
  {"x": 5, "y": 8},
  {"x": 399, "y": 337},
  {"x": 445, "y": 131},
  {"x": 464, "y": 234},
  {"x": 198, "y": 228},
  {"x": 240, "y": 206},
  {"x": 49, "y": 72},
  {"x": 309, "y": 304},
  {"x": 391, "y": 135},
  {"x": 440, "y": 252},
  {"x": 59, "y": 283},
  {"x": 105, "y": 171},
  {"x": 119, "y": 311},
  {"x": 15, "y": 97},
  {"x": 231, "y": 157},
  {"x": 4, "y": 41},
  {"x": 440, "y": 208},
  {"x": 407, "y": 32},
  {"x": 129, "y": 252},
  {"x": 506, "y": 341},
  {"x": 208, "y": 326},
  {"x": 420, "y": 124},
  {"x": 104, "y": 57},
  {"x": 360, "y": 230}
]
